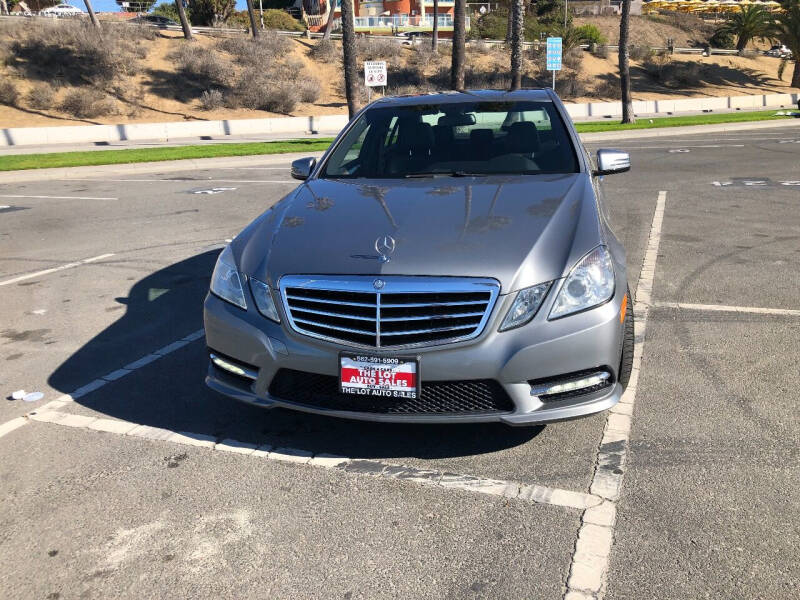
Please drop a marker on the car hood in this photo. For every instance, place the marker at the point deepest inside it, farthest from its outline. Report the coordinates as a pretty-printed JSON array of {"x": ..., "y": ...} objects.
[{"x": 520, "y": 230}]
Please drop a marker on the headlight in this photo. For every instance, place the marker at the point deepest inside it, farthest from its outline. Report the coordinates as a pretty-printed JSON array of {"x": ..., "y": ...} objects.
[
  {"x": 591, "y": 282},
  {"x": 226, "y": 282},
  {"x": 525, "y": 306},
  {"x": 264, "y": 301}
]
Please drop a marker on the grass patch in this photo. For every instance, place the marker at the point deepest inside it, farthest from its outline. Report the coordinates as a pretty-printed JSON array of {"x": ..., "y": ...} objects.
[
  {"x": 704, "y": 119},
  {"x": 114, "y": 157}
]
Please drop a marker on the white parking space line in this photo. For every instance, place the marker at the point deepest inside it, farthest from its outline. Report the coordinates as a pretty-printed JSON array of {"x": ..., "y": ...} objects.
[
  {"x": 192, "y": 181},
  {"x": 71, "y": 265},
  {"x": 589, "y": 567},
  {"x": 56, "y": 197},
  {"x": 11, "y": 425},
  {"x": 524, "y": 492},
  {"x": 126, "y": 370},
  {"x": 787, "y": 312}
]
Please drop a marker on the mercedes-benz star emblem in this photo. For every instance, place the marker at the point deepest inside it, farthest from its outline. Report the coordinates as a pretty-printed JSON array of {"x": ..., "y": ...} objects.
[
  {"x": 378, "y": 284},
  {"x": 384, "y": 246}
]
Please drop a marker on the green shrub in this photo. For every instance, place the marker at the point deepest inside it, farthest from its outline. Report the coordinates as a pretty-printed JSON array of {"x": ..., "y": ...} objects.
[
  {"x": 281, "y": 20},
  {"x": 591, "y": 34},
  {"x": 722, "y": 39}
]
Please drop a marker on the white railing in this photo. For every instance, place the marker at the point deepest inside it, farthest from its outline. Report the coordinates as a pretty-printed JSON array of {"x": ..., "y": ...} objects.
[{"x": 397, "y": 21}]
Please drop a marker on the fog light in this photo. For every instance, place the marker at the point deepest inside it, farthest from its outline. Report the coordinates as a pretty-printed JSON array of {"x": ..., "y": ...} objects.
[
  {"x": 232, "y": 367},
  {"x": 571, "y": 385}
]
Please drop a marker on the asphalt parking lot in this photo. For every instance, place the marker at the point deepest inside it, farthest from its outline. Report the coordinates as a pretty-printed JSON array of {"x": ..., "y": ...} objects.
[{"x": 131, "y": 479}]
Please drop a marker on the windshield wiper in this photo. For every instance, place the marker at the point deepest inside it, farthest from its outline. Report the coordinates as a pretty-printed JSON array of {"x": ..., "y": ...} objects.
[{"x": 443, "y": 174}]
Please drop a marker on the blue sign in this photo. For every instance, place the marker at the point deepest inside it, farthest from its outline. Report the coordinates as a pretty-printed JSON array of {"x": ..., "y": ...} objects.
[{"x": 554, "y": 54}]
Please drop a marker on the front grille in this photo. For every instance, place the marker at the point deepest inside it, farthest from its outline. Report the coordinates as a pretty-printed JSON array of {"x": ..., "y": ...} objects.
[
  {"x": 404, "y": 311},
  {"x": 437, "y": 397}
]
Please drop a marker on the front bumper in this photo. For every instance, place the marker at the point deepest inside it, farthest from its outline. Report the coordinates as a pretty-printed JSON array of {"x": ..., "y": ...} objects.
[{"x": 539, "y": 350}]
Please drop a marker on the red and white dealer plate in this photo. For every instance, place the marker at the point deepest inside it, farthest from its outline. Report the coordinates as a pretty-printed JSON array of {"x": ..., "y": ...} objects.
[{"x": 379, "y": 376}]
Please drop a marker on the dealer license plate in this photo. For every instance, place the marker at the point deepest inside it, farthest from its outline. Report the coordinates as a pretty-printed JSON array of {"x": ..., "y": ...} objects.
[{"x": 381, "y": 376}]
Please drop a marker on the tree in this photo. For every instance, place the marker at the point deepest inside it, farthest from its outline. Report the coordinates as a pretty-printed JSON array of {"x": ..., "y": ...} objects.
[
  {"x": 187, "y": 31},
  {"x": 787, "y": 30},
  {"x": 211, "y": 12},
  {"x": 459, "y": 45},
  {"x": 349, "y": 56},
  {"x": 92, "y": 16},
  {"x": 329, "y": 22},
  {"x": 253, "y": 27},
  {"x": 517, "y": 28},
  {"x": 625, "y": 62},
  {"x": 751, "y": 22},
  {"x": 435, "y": 34}
]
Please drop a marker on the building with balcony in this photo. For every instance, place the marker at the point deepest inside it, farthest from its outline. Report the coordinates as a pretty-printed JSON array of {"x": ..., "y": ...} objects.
[{"x": 387, "y": 16}]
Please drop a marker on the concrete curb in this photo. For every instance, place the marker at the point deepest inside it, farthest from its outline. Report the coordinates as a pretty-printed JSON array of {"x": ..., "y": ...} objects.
[
  {"x": 76, "y": 134},
  {"x": 267, "y": 159}
]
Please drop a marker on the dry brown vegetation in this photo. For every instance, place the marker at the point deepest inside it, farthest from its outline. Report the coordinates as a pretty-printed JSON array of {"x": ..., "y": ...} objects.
[{"x": 57, "y": 72}]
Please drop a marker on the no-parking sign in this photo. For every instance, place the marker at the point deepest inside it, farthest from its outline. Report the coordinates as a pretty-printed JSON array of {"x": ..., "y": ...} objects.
[{"x": 375, "y": 73}]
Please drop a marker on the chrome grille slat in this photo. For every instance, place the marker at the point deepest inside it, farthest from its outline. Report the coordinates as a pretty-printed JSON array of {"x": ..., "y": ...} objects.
[
  {"x": 425, "y": 317},
  {"x": 338, "y": 315},
  {"x": 418, "y": 304},
  {"x": 337, "y": 328},
  {"x": 355, "y": 311},
  {"x": 431, "y": 330},
  {"x": 290, "y": 297}
]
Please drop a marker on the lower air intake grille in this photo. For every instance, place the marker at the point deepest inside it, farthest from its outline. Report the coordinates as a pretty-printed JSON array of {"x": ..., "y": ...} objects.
[{"x": 437, "y": 397}]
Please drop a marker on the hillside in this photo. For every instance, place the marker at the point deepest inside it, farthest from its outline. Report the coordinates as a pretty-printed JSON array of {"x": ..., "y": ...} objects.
[{"x": 59, "y": 74}]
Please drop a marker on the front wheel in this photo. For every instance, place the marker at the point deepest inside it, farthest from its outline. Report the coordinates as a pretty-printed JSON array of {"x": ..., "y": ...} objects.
[{"x": 626, "y": 360}]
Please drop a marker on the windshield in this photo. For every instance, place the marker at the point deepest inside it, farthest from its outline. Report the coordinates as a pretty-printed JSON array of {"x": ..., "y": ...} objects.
[{"x": 465, "y": 139}]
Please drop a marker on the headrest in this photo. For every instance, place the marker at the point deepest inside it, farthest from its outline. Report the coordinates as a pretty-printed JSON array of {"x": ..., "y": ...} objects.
[
  {"x": 481, "y": 136},
  {"x": 523, "y": 137}
]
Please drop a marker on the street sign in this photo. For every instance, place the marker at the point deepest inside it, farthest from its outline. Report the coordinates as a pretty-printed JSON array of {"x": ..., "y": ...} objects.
[
  {"x": 375, "y": 73},
  {"x": 554, "y": 54}
]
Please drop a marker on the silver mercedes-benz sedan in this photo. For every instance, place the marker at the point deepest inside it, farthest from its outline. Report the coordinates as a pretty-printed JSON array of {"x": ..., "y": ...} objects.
[{"x": 449, "y": 259}]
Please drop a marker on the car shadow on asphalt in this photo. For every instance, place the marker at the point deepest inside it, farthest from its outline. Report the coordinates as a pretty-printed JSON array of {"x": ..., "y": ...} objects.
[{"x": 170, "y": 393}]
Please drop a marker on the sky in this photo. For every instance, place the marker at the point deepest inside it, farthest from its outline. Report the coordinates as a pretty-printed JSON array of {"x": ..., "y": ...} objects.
[{"x": 112, "y": 6}]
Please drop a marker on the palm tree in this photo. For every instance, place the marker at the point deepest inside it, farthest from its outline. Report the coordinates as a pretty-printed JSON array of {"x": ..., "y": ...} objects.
[
  {"x": 625, "y": 63},
  {"x": 459, "y": 45},
  {"x": 92, "y": 16},
  {"x": 787, "y": 30},
  {"x": 753, "y": 21},
  {"x": 517, "y": 25},
  {"x": 435, "y": 35},
  {"x": 187, "y": 31},
  {"x": 349, "y": 52},
  {"x": 253, "y": 27}
]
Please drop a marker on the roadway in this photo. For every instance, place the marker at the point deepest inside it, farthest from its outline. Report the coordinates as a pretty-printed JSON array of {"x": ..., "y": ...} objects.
[{"x": 102, "y": 279}]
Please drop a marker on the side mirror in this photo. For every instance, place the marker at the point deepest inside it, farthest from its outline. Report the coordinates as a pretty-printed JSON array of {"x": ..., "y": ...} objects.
[
  {"x": 612, "y": 161},
  {"x": 302, "y": 167}
]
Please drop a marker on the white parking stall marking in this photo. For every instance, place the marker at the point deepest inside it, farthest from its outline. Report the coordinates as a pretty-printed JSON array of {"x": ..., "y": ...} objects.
[
  {"x": 56, "y": 197},
  {"x": 589, "y": 566},
  {"x": 11, "y": 425},
  {"x": 787, "y": 312},
  {"x": 71, "y": 265},
  {"x": 537, "y": 494},
  {"x": 195, "y": 181}
]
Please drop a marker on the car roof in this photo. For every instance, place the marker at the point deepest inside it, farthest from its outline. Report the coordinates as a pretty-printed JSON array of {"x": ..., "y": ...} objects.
[{"x": 456, "y": 97}]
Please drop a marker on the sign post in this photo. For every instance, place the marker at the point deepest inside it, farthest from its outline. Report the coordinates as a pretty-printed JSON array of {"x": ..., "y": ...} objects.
[
  {"x": 554, "y": 56},
  {"x": 374, "y": 75}
]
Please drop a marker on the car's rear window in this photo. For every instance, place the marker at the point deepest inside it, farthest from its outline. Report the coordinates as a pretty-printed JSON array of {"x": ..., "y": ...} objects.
[{"x": 480, "y": 138}]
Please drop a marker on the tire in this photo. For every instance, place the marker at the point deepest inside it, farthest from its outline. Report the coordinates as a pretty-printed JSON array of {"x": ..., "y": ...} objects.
[{"x": 626, "y": 359}]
